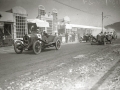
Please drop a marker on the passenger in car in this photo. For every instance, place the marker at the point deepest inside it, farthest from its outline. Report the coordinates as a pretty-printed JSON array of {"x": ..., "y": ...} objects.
[{"x": 45, "y": 34}]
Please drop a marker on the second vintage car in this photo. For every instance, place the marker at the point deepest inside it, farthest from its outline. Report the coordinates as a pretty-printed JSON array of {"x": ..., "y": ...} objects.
[{"x": 102, "y": 37}]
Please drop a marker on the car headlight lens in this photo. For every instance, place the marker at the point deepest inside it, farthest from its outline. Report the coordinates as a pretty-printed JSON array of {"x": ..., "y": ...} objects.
[
  {"x": 26, "y": 39},
  {"x": 38, "y": 35}
]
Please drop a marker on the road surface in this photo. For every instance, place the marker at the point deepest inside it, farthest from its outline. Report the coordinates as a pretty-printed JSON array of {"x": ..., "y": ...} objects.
[{"x": 13, "y": 66}]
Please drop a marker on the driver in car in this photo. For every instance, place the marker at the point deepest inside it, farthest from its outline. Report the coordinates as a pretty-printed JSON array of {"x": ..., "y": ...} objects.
[{"x": 45, "y": 36}]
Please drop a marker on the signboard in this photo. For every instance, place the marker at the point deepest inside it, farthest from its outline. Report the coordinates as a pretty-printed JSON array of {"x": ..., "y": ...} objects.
[{"x": 6, "y": 17}]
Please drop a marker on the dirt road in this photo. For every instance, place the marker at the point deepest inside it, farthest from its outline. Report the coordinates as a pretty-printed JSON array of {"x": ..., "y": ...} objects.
[{"x": 78, "y": 66}]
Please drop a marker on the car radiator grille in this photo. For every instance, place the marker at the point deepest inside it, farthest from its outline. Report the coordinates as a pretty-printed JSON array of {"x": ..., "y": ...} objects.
[{"x": 26, "y": 40}]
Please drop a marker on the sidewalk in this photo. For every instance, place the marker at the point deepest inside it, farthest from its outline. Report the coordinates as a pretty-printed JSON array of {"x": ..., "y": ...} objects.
[{"x": 6, "y": 49}]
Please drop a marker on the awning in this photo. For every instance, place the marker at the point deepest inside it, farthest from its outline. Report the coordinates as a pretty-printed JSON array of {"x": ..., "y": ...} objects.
[
  {"x": 39, "y": 23},
  {"x": 84, "y": 26},
  {"x": 6, "y": 17},
  {"x": 68, "y": 26}
]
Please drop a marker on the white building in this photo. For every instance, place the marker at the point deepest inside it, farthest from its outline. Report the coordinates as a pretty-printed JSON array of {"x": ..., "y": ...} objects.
[{"x": 51, "y": 18}]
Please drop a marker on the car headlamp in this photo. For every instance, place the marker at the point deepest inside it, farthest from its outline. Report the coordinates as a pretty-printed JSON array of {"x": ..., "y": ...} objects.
[{"x": 38, "y": 35}]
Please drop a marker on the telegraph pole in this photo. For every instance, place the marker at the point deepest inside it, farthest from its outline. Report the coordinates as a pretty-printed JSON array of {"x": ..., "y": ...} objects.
[
  {"x": 106, "y": 16},
  {"x": 102, "y": 21}
]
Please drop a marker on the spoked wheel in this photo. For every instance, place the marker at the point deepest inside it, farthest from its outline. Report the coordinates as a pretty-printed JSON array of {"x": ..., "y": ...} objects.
[
  {"x": 37, "y": 47},
  {"x": 18, "y": 47},
  {"x": 58, "y": 44}
]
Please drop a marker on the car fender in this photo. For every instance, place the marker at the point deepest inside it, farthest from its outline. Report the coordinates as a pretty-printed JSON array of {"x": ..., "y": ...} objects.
[
  {"x": 18, "y": 40},
  {"x": 39, "y": 40},
  {"x": 56, "y": 38}
]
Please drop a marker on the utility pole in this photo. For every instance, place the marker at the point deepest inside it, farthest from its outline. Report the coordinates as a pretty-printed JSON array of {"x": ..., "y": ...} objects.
[
  {"x": 102, "y": 21},
  {"x": 106, "y": 16}
]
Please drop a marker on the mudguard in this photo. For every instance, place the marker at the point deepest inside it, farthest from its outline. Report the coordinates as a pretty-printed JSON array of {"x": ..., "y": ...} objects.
[
  {"x": 56, "y": 38},
  {"x": 18, "y": 40}
]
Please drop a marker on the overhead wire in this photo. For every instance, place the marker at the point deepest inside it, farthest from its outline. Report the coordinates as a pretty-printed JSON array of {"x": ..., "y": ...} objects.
[
  {"x": 76, "y": 8},
  {"x": 79, "y": 9}
]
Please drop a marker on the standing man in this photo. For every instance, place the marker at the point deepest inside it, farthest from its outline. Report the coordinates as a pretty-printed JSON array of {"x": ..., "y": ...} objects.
[
  {"x": 74, "y": 37},
  {"x": 2, "y": 37},
  {"x": 66, "y": 37}
]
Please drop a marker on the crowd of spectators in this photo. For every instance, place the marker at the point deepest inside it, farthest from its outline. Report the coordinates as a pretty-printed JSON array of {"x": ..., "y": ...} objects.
[{"x": 70, "y": 37}]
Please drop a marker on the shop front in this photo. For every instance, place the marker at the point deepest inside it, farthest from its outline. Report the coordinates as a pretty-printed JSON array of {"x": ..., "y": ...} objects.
[
  {"x": 13, "y": 25},
  {"x": 6, "y": 27},
  {"x": 20, "y": 22}
]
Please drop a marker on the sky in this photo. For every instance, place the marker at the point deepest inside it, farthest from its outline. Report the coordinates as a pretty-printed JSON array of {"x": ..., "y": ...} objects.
[{"x": 83, "y": 12}]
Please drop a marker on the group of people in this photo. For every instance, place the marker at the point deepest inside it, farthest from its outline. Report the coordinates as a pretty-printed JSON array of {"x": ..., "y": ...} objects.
[
  {"x": 70, "y": 37},
  {"x": 113, "y": 34}
]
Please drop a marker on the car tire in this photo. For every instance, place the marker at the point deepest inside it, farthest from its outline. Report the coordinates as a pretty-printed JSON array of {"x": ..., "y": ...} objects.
[
  {"x": 18, "y": 47},
  {"x": 37, "y": 47},
  {"x": 58, "y": 44}
]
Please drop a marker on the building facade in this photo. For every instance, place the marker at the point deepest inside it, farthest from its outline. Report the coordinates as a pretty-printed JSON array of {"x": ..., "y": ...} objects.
[
  {"x": 20, "y": 22},
  {"x": 13, "y": 24},
  {"x": 6, "y": 28},
  {"x": 51, "y": 18}
]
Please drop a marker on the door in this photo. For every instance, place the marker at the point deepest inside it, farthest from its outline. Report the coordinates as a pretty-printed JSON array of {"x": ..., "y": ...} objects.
[{"x": 8, "y": 33}]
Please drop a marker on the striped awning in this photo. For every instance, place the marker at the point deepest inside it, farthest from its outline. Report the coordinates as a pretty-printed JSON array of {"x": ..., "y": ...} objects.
[{"x": 39, "y": 23}]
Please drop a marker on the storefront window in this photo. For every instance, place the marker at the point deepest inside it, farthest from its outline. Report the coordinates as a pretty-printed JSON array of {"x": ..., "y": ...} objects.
[{"x": 20, "y": 26}]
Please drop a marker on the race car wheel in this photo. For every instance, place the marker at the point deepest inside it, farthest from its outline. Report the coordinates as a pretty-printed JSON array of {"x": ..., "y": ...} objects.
[
  {"x": 18, "y": 47},
  {"x": 58, "y": 44},
  {"x": 37, "y": 47}
]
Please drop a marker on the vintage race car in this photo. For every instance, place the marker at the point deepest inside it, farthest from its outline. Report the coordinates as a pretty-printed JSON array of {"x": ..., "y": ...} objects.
[
  {"x": 37, "y": 43},
  {"x": 36, "y": 39},
  {"x": 101, "y": 39},
  {"x": 102, "y": 36}
]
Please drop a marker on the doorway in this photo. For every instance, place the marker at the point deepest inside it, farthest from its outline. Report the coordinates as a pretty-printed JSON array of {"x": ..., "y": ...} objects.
[{"x": 8, "y": 33}]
